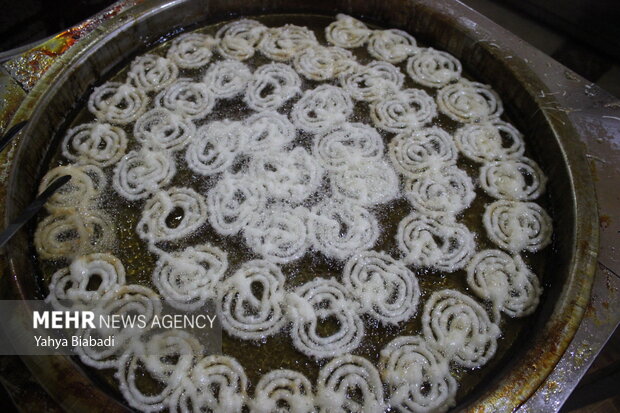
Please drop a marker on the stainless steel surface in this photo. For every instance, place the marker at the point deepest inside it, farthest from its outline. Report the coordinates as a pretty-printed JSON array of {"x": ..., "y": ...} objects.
[
  {"x": 12, "y": 53},
  {"x": 596, "y": 115}
]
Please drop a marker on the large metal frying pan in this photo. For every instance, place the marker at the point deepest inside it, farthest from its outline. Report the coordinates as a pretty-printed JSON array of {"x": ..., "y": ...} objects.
[{"x": 551, "y": 136}]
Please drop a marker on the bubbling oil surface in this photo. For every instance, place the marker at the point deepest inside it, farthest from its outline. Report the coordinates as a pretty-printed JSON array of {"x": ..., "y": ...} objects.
[{"x": 276, "y": 352}]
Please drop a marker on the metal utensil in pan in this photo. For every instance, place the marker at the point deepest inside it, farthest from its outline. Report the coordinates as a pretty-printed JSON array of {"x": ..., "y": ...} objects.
[{"x": 32, "y": 209}]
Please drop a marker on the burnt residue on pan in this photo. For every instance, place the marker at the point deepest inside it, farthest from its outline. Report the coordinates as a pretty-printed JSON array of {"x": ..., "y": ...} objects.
[{"x": 554, "y": 143}]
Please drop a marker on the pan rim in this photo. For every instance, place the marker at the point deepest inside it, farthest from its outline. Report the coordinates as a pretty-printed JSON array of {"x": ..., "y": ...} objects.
[{"x": 585, "y": 245}]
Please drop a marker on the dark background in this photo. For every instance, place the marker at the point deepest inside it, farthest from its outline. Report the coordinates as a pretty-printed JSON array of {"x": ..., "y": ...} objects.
[
  {"x": 589, "y": 29},
  {"x": 25, "y": 21},
  {"x": 583, "y": 35}
]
